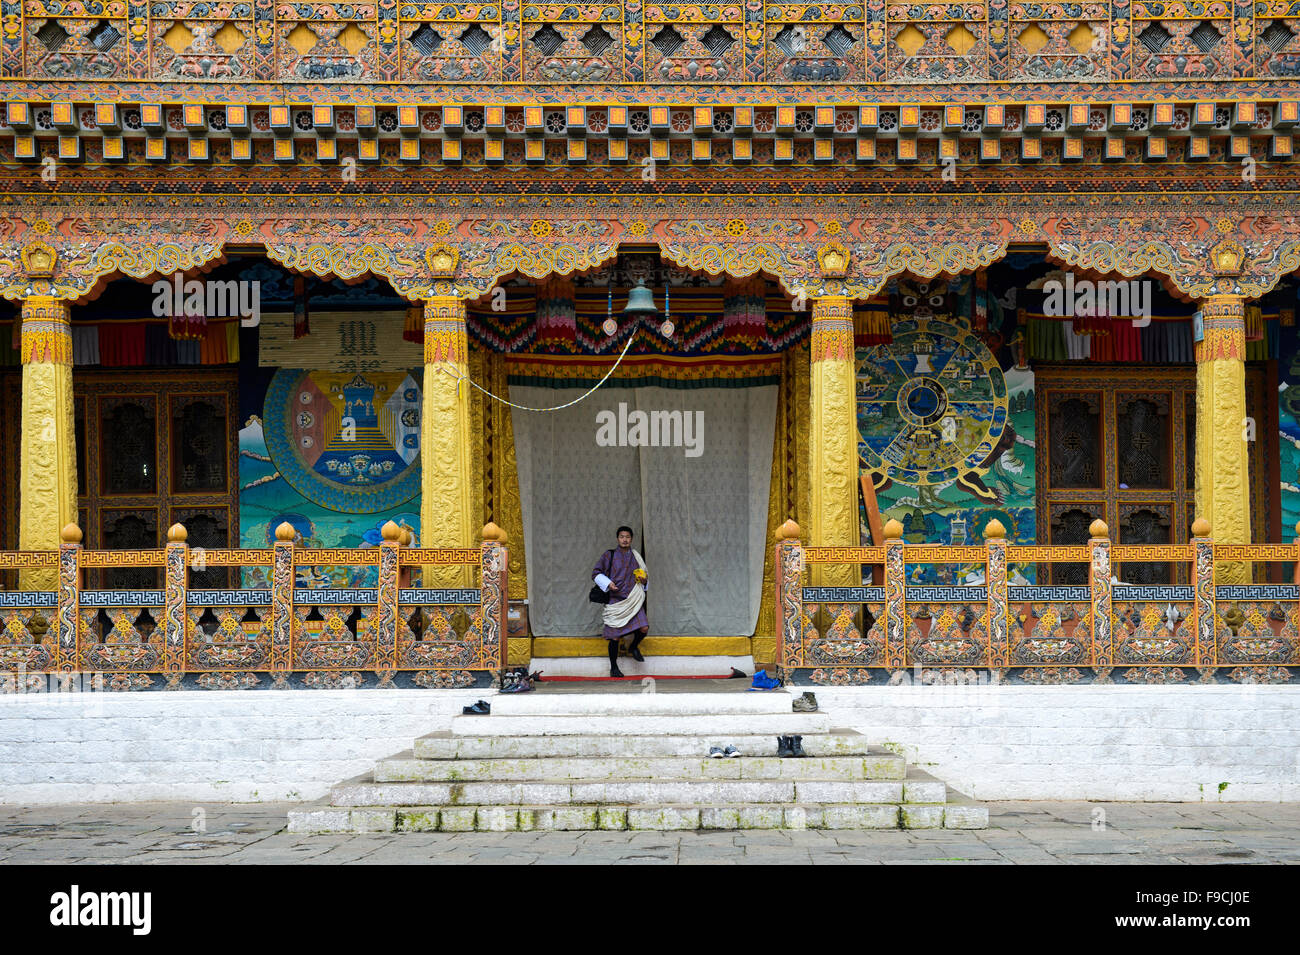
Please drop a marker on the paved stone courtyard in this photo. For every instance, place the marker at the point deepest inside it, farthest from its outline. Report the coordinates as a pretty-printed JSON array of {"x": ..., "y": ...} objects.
[{"x": 1019, "y": 832}]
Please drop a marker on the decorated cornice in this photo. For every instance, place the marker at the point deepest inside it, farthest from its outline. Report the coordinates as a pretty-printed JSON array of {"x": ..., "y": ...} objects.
[
  {"x": 732, "y": 133},
  {"x": 637, "y": 43},
  {"x": 552, "y": 95},
  {"x": 467, "y": 255}
]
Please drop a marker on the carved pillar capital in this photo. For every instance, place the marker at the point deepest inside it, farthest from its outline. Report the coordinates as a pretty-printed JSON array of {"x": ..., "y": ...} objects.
[
  {"x": 46, "y": 330},
  {"x": 444, "y": 330},
  {"x": 832, "y": 328},
  {"x": 1224, "y": 323}
]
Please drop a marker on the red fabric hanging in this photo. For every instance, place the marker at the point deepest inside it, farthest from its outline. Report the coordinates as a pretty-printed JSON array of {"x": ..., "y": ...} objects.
[{"x": 301, "y": 326}]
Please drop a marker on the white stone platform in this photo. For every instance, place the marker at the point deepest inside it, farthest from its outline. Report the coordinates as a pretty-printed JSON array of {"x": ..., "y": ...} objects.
[
  {"x": 1178, "y": 743},
  {"x": 619, "y": 760}
]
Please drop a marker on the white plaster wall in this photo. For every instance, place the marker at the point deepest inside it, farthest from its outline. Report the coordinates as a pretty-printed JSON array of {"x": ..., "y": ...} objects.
[
  {"x": 1175, "y": 743},
  {"x": 1117, "y": 743},
  {"x": 228, "y": 746}
]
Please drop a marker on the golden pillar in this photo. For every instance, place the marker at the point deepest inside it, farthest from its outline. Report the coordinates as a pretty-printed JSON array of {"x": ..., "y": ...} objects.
[
  {"x": 446, "y": 501},
  {"x": 833, "y": 437},
  {"x": 1222, "y": 462},
  {"x": 48, "y": 467}
]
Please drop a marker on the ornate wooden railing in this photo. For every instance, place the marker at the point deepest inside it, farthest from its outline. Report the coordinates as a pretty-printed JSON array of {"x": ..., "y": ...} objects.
[
  {"x": 1104, "y": 631},
  {"x": 445, "y": 633}
]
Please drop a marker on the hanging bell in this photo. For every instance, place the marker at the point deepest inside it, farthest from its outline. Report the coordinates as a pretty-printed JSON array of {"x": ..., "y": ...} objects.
[{"x": 641, "y": 302}]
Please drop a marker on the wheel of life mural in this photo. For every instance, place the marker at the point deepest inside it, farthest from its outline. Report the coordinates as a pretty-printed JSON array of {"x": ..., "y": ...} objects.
[
  {"x": 348, "y": 441},
  {"x": 932, "y": 407}
]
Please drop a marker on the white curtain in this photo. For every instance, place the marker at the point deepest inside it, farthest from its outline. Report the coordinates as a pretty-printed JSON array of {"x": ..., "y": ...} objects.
[{"x": 699, "y": 507}]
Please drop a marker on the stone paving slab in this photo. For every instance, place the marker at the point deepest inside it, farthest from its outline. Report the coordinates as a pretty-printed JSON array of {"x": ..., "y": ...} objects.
[{"x": 1019, "y": 833}]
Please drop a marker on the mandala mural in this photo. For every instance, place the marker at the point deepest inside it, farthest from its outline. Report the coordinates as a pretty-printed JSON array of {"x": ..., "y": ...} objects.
[
  {"x": 944, "y": 432},
  {"x": 346, "y": 441}
]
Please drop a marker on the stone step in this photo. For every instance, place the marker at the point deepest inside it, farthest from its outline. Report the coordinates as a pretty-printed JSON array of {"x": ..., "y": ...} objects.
[
  {"x": 516, "y": 818},
  {"x": 687, "y": 792},
  {"x": 405, "y": 767},
  {"x": 543, "y": 703},
  {"x": 443, "y": 745},
  {"x": 595, "y": 663},
  {"x": 652, "y": 646},
  {"x": 704, "y": 726}
]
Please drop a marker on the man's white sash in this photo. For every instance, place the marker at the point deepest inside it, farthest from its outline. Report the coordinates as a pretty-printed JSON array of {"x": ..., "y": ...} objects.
[{"x": 618, "y": 614}]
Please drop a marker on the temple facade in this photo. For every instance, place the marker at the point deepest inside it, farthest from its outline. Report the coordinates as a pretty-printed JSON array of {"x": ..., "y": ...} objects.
[{"x": 969, "y": 346}]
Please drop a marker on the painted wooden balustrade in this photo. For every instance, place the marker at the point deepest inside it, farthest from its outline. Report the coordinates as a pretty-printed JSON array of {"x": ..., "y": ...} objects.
[
  {"x": 989, "y": 630},
  {"x": 441, "y": 633}
]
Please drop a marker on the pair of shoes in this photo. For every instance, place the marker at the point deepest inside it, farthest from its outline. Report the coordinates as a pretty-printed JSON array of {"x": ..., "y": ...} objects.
[
  {"x": 764, "y": 682},
  {"x": 790, "y": 746},
  {"x": 480, "y": 708},
  {"x": 805, "y": 704},
  {"x": 717, "y": 752},
  {"x": 516, "y": 681}
]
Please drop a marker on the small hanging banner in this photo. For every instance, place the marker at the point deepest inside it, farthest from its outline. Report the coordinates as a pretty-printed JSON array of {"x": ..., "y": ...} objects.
[
  {"x": 300, "y": 317},
  {"x": 1254, "y": 323},
  {"x": 980, "y": 320},
  {"x": 413, "y": 328}
]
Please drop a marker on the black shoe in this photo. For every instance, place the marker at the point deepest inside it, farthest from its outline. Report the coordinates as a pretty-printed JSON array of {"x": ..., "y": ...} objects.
[
  {"x": 635, "y": 654},
  {"x": 480, "y": 708},
  {"x": 614, "y": 671},
  {"x": 737, "y": 675},
  {"x": 796, "y": 747},
  {"x": 783, "y": 747}
]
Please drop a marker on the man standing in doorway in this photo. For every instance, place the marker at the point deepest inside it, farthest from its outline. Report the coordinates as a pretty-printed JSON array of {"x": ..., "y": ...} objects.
[{"x": 621, "y": 573}]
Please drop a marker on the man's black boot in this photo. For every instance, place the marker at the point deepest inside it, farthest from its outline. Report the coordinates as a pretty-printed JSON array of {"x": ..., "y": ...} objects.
[
  {"x": 614, "y": 671},
  {"x": 796, "y": 746},
  {"x": 633, "y": 652},
  {"x": 783, "y": 747}
]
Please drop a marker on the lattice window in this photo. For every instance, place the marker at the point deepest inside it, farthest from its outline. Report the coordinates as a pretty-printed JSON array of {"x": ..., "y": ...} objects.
[
  {"x": 1075, "y": 450},
  {"x": 198, "y": 447},
  {"x": 104, "y": 36},
  {"x": 1144, "y": 443},
  {"x": 426, "y": 39},
  {"x": 1155, "y": 37},
  {"x": 638, "y": 121},
  {"x": 839, "y": 40},
  {"x": 717, "y": 40},
  {"x": 1277, "y": 35},
  {"x": 1206, "y": 37},
  {"x": 547, "y": 40},
  {"x": 476, "y": 39},
  {"x": 131, "y": 437},
  {"x": 52, "y": 36},
  {"x": 597, "y": 40},
  {"x": 668, "y": 41}
]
